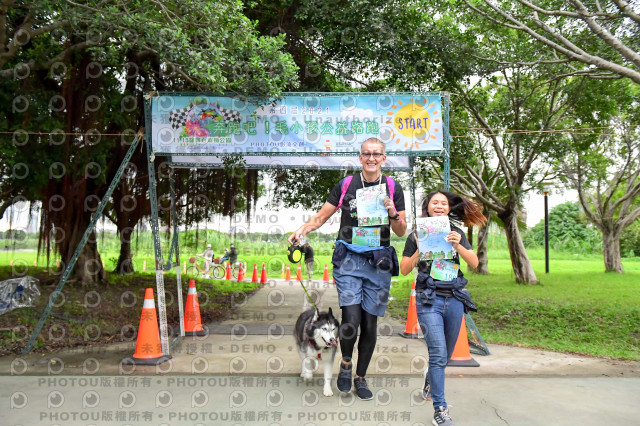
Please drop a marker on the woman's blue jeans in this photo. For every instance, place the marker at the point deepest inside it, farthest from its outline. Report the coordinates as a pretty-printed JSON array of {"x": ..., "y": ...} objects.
[{"x": 440, "y": 324}]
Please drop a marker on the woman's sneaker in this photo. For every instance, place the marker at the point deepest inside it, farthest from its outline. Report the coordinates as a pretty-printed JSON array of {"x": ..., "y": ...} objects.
[
  {"x": 426, "y": 389},
  {"x": 344, "y": 378},
  {"x": 362, "y": 390},
  {"x": 442, "y": 418}
]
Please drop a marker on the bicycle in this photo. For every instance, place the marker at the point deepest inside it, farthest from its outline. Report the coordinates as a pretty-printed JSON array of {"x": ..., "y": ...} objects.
[
  {"x": 216, "y": 270},
  {"x": 235, "y": 268}
]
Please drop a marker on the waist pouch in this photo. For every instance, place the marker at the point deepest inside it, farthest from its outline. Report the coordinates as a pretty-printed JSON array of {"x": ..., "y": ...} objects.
[
  {"x": 384, "y": 259},
  {"x": 456, "y": 286}
]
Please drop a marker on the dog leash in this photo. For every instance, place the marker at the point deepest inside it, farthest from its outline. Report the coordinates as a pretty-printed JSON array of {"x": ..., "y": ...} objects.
[{"x": 309, "y": 297}]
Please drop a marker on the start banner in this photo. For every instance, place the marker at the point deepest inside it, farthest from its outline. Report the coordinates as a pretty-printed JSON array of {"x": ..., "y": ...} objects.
[{"x": 298, "y": 124}]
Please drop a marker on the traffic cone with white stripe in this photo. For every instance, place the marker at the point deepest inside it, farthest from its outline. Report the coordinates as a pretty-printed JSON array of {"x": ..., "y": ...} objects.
[
  {"x": 192, "y": 318},
  {"x": 325, "y": 274},
  {"x": 287, "y": 275},
  {"x": 148, "y": 347},
  {"x": 241, "y": 273},
  {"x": 412, "y": 329},
  {"x": 254, "y": 276},
  {"x": 263, "y": 275},
  {"x": 299, "y": 273},
  {"x": 228, "y": 274}
]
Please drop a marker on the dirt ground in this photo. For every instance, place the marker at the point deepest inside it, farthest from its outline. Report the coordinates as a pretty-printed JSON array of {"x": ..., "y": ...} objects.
[{"x": 95, "y": 315}]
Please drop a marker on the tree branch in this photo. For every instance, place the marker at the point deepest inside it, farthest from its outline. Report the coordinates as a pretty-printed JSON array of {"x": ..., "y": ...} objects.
[
  {"x": 566, "y": 47},
  {"x": 608, "y": 38}
]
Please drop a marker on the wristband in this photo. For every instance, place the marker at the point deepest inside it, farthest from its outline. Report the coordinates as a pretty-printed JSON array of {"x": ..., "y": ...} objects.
[{"x": 396, "y": 217}]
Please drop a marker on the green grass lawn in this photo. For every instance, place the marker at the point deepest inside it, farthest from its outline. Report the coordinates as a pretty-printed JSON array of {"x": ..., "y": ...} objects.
[{"x": 575, "y": 308}]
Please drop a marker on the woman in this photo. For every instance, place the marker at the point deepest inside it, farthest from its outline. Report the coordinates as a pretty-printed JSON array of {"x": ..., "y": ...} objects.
[{"x": 441, "y": 304}]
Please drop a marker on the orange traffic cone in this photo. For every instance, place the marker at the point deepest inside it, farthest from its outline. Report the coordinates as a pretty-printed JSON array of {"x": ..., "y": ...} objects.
[
  {"x": 299, "y": 273},
  {"x": 287, "y": 275},
  {"x": 263, "y": 275},
  {"x": 325, "y": 275},
  {"x": 254, "y": 276},
  {"x": 461, "y": 355},
  {"x": 412, "y": 329},
  {"x": 282, "y": 273},
  {"x": 240, "y": 274},
  {"x": 228, "y": 274},
  {"x": 148, "y": 347},
  {"x": 192, "y": 318}
]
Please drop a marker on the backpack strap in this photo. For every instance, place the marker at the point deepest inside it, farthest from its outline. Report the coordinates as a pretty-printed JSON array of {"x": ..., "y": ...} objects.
[
  {"x": 391, "y": 184},
  {"x": 345, "y": 185}
]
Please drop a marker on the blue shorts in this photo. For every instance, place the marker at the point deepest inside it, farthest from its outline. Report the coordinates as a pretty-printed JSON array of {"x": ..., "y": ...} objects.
[{"x": 359, "y": 282}]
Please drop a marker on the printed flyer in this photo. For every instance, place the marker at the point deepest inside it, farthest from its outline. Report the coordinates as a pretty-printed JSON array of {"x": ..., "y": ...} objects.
[
  {"x": 432, "y": 234},
  {"x": 370, "y": 205}
]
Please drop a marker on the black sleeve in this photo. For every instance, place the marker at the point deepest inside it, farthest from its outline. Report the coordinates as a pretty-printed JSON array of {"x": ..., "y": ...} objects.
[
  {"x": 334, "y": 195},
  {"x": 398, "y": 197},
  {"x": 410, "y": 246}
]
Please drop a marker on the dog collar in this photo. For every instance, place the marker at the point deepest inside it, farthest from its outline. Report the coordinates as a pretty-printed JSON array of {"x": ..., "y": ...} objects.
[{"x": 313, "y": 344}]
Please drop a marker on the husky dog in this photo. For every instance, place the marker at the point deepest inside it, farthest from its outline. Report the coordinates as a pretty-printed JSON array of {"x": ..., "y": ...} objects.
[{"x": 316, "y": 335}]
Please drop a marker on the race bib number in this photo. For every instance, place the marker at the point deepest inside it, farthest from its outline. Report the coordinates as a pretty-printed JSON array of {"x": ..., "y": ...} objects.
[
  {"x": 368, "y": 237},
  {"x": 443, "y": 270}
]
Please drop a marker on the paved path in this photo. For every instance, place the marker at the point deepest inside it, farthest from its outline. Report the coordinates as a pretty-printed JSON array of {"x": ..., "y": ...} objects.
[{"x": 246, "y": 373}]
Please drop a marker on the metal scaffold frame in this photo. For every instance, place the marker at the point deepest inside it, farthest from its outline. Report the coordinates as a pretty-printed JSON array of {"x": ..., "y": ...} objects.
[{"x": 160, "y": 265}]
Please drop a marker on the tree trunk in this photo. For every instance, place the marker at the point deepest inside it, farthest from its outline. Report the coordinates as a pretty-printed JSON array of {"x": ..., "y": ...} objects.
[
  {"x": 482, "y": 252},
  {"x": 611, "y": 248},
  {"x": 125, "y": 260},
  {"x": 519, "y": 260},
  {"x": 88, "y": 269}
]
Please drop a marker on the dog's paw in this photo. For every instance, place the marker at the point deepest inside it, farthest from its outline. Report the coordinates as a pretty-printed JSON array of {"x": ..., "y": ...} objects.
[
  {"x": 327, "y": 391},
  {"x": 306, "y": 376}
]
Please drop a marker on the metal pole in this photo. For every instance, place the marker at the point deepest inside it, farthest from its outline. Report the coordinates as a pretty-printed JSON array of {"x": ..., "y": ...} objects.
[
  {"x": 83, "y": 241},
  {"x": 546, "y": 232}
]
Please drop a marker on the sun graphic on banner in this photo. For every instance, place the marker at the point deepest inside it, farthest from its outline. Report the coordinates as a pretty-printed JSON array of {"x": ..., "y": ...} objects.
[{"x": 416, "y": 120}]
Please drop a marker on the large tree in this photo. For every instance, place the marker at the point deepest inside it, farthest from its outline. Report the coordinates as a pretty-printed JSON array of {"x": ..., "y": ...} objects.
[
  {"x": 596, "y": 38},
  {"x": 603, "y": 165},
  {"x": 516, "y": 114},
  {"x": 63, "y": 66}
]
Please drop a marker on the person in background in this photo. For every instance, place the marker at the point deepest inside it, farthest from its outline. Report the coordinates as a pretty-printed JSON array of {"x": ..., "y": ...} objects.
[
  {"x": 233, "y": 254},
  {"x": 208, "y": 259},
  {"x": 308, "y": 259},
  {"x": 441, "y": 304},
  {"x": 230, "y": 254},
  {"x": 362, "y": 268}
]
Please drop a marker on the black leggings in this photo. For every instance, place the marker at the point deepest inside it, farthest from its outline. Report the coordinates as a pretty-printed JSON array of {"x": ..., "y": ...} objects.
[{"x": 353, "y": 316}]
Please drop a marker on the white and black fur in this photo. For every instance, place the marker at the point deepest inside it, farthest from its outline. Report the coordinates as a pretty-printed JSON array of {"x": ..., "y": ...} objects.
[{"x": 316, "y": 334}]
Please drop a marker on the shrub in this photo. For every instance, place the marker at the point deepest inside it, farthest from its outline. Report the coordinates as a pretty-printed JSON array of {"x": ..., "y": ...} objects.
[{"x": 568, "y": 231}]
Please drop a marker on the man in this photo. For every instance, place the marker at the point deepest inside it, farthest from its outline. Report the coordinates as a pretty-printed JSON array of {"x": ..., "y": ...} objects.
[
  {"x": 364, "y": 259},
  {"x": 233, "y": 255},
  {"x": 308, "y": 259},
  {"x": 208, "y": 259}
]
